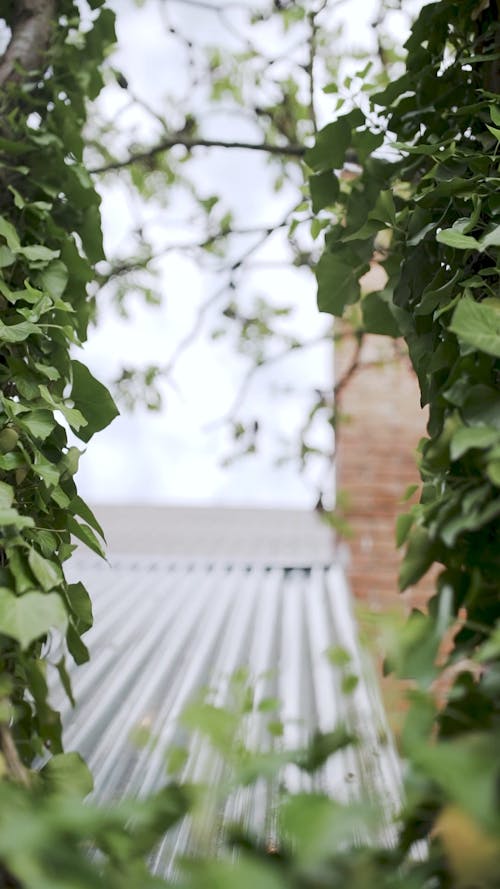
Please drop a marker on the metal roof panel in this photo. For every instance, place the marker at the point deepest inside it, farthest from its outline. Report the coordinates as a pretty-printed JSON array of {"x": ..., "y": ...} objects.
[{"x": 166, "y": 627}]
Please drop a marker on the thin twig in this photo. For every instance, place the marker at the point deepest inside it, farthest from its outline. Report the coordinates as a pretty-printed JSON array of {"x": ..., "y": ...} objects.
[
  {"x": 255, "y": 368},
  {"x": 15, "y": 767},
  {"x": 289, "y": 150},
  {"x": 351, "y": 370},
  {"x": 234, "y": 267}
]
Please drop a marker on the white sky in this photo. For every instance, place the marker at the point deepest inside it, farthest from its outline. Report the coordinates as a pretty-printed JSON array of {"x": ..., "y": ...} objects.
[{"x": 171, "y": 456}]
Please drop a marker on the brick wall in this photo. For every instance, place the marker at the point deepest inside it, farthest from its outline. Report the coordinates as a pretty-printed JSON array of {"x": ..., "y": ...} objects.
[{"x": 376, "y": 446}]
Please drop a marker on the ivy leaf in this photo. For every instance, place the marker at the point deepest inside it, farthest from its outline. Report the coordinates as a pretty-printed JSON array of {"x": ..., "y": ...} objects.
[
  {"x": 73, "y": 416},
  {"x": 418, "y": 559},
  {"x": 332, "y": 142},
  {"x": 338, "y": 283},
  {"x": 79, "y": 507},
  {"x": 26, "y": 618},
  {"x": 65, "y": 680},
  {"x": 404, "y": 524},
  {"x": 456, "y": 239},
  {"x": 467, "y": 438},
  {"x": 493, "y": 471},
  {"x": 12, "y": 517},
  {"x": 86, "y": 535},
  {"x": 7, "y": 257},
  {"x": 477, "y": 324},
  {"x": 93, "y": 400},
  {"x": 491, "y": 238},
  {"x": 8, "y": 232},
  {"x": 38, "y": 253},
  {"x": 482, "y": 406},
  {"x": 46, "y": 470},
  {"x": 47, "y": 573},
  {"x": 81, "y": 605},
  {"x": 77, "y": 649},
  {"x": 6, "y": 495},
  {"x": 38, "y": 423},
  {"x": 54, "y": 279},
  {"x": 324, "y": 190},
  {"x": 17, "y": 333},
  {"x": 377, "y": 315}
]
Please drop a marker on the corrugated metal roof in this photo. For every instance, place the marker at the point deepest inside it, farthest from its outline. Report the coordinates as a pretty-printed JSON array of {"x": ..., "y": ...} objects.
[
  {"x": 297, "y": 536},
  {"x": 167, "y": 627}
]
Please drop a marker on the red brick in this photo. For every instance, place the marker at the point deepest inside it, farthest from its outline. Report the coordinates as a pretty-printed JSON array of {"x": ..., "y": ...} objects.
[{"x": 376, "y": 451}]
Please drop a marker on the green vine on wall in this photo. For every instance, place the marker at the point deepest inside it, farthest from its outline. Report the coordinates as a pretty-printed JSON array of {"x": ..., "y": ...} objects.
[{"x": 431, "y": 209}]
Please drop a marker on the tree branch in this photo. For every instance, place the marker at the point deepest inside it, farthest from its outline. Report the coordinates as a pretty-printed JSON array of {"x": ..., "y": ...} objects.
[
  {"x": 289, "y": 150},
  {"x": 254, "y": 370},
  {"x": 15, "y": 767},
  {"x": 30, "y": 37}
]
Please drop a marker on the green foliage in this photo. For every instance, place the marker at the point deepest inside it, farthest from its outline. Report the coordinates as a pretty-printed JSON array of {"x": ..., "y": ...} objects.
[
  {"x": 434, "y": 200},
  {"x": 50, "y": 238}
]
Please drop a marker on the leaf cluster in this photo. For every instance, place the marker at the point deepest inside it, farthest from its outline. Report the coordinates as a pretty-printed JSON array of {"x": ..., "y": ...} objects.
[
  {"x": 424, "y": 203},
  {"x": 50, "y": 239}
]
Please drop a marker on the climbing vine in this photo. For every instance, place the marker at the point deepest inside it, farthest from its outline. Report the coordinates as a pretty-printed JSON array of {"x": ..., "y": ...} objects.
[
  {"x": 426, "y": 200},
  {"x": 49, "y": 241}
]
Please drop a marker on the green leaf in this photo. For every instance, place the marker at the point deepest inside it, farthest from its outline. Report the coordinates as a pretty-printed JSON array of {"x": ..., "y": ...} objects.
[
  {"x": 495, "y": 115},
  {"x": 481, "y": 406},
  {"x": 65, "y": 680},
  {"x": 92, "y": 399},
  {"x": 72, "y": 415},
  {"x": 38, "y": 423},
  {"x": 322, "y": 746},
  {"x": 490, "y": 239},
  {"x": 7, "y": 257},
  {"x": 47, "y": 471},
  {"x": 453, "y": 238},
  {"x": 6, "y": 495},
  {"x": 81, "y": 605},
  {"x": 329, "y": 149},
  {"x": 79, "y": 507},
  {"x": 338, "y": 283},
  {"x": 493, "y": 471},
  {"x": 474, "y": 758},
  {"x": 68, "y": 775},
  {"x": 477, "y": 324},
  {"x": 17, "y": 333},
  {"x": 77, "y": 649},
  {"x": 18, "y": 567},
  {"x": 54, "y": 279},
  {"x": 8, "y": 232},
  {"x": 467, "y": 438},
  {"x": 12, "y": 517},
  {"x": 244, "y": 872},
  {"x": 319, "y": 826},
  {"x": 47, "y": 573},
  {"x": 377, "y": 314},
  {"x": 38, "y": 253},
  {"x": 26, "y": 618},
  {"x": 86, "y": 535},
  {"x": 324, "y": 190},
  {"x": 418, "y": 558},
  {"x": 404, "y": 524}
]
